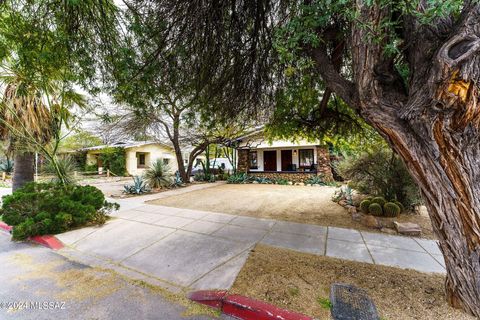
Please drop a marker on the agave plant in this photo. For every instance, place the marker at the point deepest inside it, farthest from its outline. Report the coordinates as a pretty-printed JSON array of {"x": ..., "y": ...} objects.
[
  {"x": 138, "y": 187},
  {"x": 177, "y": 181},
  {"x": 6, "y": 166},
  {"x": 158, "y": 176}
]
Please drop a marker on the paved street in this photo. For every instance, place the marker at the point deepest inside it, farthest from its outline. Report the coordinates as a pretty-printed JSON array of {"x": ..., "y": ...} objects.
[
  {"x": 33, "y": 275},
  {"x": 182, "y": 248}
]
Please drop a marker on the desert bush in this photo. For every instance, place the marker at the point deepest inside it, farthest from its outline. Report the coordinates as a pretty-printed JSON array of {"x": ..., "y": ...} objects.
[
  {"x": 390, "y": 209},
  {"x": 263, "y": 180},
  {"x": 315, "y": 180},
  {"x": 381, "y": 172},
  {"x": 364, "y": 205},
  {"x": 62, "y": 169},
  {"x": 50, "y": 208},
  {"x": 114, "y": 160},
  {"x": 240, "y": 178},
  {"x": 157, "y": 175},
  {"x": 281, "y": 181},
  {"x": 375, "y": 209}
]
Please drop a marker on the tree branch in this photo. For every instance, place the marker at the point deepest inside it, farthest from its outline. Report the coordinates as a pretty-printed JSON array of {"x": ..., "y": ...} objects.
[{"x": 337, "y": 83}]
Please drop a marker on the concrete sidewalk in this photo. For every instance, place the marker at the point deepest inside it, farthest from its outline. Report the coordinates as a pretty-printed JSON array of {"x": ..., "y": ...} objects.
[{"x": 181, "y": 248}]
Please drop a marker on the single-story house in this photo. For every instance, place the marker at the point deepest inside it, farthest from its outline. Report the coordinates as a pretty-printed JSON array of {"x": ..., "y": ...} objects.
[
  {"x": 294, "y": 161},
  {"x": 139, "y": 155}
]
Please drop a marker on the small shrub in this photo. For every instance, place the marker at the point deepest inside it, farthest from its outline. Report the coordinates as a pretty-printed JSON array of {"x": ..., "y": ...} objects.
[
  {"x": 364, "y": 205},
  {"x": 400, "y": 205},
  {"x": 49, "y": 208},
  {"x": 281, "y": 181},
  {"x": 315, "y": 180},
  {"x": 199, "y": 176},
  {"x": 114, "y": 160},
  {"x": 157, "y": 175},
  {"x": 380, "y": 200},
  {"x": 375, "y": 209},
  {"x": 138, "y": 187},
  {"x": 240, "y": 178},
  {"x": 263, "y": 180},
  {"x": 91, "y": 169},
  {"x": 324, "y": 303},
  {"x": 390, "y": 209}
]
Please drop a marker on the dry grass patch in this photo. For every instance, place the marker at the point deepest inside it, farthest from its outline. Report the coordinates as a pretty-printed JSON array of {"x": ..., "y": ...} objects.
[
  {"x": 301, "y": 282},
  {"x": 302, "y": 204}
]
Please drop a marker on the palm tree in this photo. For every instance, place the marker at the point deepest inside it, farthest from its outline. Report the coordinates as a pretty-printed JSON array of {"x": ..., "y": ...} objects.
[{"x": 23, "y": 112}]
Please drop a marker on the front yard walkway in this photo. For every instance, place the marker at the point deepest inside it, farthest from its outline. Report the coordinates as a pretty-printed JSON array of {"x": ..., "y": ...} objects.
[{"x": 185, "y": 248}]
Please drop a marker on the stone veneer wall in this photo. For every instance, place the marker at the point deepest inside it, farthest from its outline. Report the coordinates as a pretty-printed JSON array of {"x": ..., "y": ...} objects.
[
  {"x": 290, "y": 176},
  {"x": 243, "y": 164},
  {"x": 323, "y": 164}
]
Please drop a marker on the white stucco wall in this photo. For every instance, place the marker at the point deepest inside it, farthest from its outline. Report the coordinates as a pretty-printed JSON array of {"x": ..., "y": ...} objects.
[{"x": 153, "y": 152}]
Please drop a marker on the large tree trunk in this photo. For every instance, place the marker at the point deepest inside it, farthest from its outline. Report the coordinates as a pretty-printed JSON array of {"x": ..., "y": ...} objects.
[
  {"x": 434, "y": 125},
  {"x": 23, "y": 170}
]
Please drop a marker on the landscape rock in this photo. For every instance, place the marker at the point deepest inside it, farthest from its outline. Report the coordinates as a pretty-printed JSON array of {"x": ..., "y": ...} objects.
[
  {"x": 290, "y": 183},
  {"x": 351, "y": 209},
  {"x": 299, "y": 184},
  {"x": 408, "y": 228},
  {"x": 357, "y": 216},
  {"x": 343, "y": 203},
  {"x": 255, "y": 182},
  {"x": 388, "y": 231},
  {"x": 370, "y": 221}
]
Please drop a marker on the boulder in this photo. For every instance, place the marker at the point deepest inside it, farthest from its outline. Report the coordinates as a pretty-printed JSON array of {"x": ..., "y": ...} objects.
[
  {"x": 255, "y": 182},
  {"x": 370, "y": 221},
  {"x": 408, "y": 228},
  {"x": 290, "y": 183},
  {"x": 357, "y": 216},
  {"x": 343, "y": 203},
  {"x": 351, "y": 209}
]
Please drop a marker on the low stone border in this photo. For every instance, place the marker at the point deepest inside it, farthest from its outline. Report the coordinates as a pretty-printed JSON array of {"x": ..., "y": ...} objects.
[{"x": 243, "y": 307}]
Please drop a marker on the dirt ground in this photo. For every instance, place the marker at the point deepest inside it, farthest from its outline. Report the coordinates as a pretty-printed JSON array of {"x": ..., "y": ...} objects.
[
  {"x": 300, "y": 282},
  {"x": 302, "y": 204}
]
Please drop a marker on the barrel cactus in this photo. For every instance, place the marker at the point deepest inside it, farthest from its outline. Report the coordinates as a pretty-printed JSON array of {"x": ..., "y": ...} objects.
[
  {"x": 391, "y": 209},
  {"x": 398, "y": 203},
  {"x": 375, "y": 209},
  {"x": 364, "y": 205},
  {"x": 380, "y": 200}
]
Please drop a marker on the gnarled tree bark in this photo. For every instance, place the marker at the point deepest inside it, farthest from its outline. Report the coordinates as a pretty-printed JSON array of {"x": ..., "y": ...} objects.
[{"x": 433, "y": 125}]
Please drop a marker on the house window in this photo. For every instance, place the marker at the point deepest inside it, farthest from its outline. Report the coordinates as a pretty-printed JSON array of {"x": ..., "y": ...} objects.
[
  {"x": 253, "y": 159},
  {"x": 305, "y": 158},
  {"x": 166, "y": 161}
]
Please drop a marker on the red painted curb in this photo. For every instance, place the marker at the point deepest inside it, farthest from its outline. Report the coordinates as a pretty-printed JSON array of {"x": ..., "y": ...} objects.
[
  {"x": 208, "y": 297},
  {"x": 48, "y": 241},
  {"x": 5, "y": 226},
  {"x": 243, "y": 307}
]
